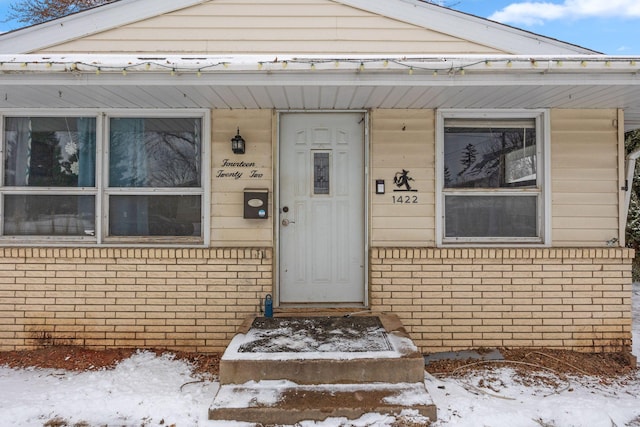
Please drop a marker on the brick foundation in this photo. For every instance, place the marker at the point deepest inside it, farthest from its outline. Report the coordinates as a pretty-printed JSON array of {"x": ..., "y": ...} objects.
[
  {"x": 194, "y": 299},
  {"x": 451, "y": 299},
  {"x": 181, "y": 299}
]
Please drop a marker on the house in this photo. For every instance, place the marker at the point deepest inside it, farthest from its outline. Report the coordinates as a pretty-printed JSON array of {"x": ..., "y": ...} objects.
[{"x": 389, "y": 155}]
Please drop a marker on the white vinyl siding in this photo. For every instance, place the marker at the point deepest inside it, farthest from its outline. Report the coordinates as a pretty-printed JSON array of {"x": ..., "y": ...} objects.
[
  {"x": 228, "y": 227},
  {"x": 585, "y": 187},
  {"x": 403, "y": 140},
  {"x": 581, "y": 195},
  {"x": 271, "y": 26}
]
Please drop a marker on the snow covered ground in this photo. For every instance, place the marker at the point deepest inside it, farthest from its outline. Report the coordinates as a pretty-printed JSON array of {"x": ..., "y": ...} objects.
[{"x": 150, "y": 390}]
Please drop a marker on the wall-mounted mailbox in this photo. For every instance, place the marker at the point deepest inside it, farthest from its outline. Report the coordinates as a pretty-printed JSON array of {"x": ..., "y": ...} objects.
[{"x": 256, "y": 203}]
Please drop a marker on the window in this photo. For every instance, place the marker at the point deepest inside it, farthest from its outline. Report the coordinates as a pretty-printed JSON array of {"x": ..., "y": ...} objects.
[
  {"x": 49, "y": 176},
  {"x": 321, "y": 173},
  {"x": 155, "y": 183},
  {"x": 142, "y": 182},
  {"x": 491, "y": 170}
]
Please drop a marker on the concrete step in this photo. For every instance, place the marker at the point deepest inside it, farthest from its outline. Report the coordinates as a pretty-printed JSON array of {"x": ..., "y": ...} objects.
[
  {"x": 289, "y": 369},
  {"x": 400, "y": 369},
  {"x": 283, "y": 402},
  {"x": 388, "y": 356}
]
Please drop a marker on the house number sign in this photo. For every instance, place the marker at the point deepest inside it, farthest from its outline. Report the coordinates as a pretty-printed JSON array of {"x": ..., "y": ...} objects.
[
  {"x": 236, "y": 170},
  {"x": 402, "y": 192}
]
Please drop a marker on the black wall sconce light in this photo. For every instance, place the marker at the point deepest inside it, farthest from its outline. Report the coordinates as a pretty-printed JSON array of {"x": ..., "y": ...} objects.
[{"x": 237, "y": 143}]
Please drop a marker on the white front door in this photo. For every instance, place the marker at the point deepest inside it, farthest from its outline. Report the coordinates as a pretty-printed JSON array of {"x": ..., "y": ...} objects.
[{"x": 321, "y": 218}]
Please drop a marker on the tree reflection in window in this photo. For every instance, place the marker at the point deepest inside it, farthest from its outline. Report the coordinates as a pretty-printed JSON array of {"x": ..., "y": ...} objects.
[
  {"x": 157, "y": 152},
  {"x": 151, "y": 153},
  {"x": 489, "y": 157}
]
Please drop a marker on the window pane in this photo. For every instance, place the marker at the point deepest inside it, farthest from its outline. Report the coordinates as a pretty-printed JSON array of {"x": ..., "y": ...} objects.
[
  {"x": 489, "y": 157},
  {"x": 154, "y": 152},
  {"x": 60, "y": 215},
  {"x": 491, "y": 216},
  {"x": 50, "y": 151},
  {"x": 320, "y": 173},
  {"x": 155, "y": 216}
]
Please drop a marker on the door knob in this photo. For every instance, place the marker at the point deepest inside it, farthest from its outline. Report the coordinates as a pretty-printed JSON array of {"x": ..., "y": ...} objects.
[{"x": 286, "y": 222}]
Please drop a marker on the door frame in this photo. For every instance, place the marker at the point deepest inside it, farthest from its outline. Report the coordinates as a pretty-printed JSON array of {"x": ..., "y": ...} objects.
[{"x": 276, "y": 204}]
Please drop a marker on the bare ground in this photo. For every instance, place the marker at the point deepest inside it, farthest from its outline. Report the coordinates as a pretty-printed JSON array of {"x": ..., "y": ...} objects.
[
  {"x": 82, "y": 359},
  {"x": 604, "y": 365}
]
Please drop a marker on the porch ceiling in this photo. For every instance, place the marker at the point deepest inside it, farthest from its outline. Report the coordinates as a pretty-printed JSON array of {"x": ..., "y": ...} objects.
[{"x": 323, "y": 84}]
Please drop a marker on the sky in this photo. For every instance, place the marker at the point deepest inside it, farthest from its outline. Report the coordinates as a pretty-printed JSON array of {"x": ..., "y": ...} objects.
[
  {"x": 607, "y": 26},
  {"x": 611, "y": 27}
]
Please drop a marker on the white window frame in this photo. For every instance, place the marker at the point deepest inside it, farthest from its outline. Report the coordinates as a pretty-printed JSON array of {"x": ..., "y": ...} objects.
[
  {"x": 543, "y": 136},
  {"x": 101, "y": 191}
]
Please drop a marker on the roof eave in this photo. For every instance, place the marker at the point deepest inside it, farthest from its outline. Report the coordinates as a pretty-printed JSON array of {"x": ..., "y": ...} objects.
[{"x": 330, "y": 83}]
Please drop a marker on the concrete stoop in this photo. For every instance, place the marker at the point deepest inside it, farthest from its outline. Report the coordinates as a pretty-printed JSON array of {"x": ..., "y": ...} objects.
[
  {"x": 407, "y": 368},
  {"x": 286, "y": 387}
]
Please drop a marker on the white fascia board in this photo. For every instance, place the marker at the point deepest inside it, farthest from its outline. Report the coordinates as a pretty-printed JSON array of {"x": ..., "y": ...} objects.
[
  {"x": 588, "y": 68},
  {"x": 91, "y": 21},
  {"x": 479, "y": 30},
  {"x": 300, "y": 78}
]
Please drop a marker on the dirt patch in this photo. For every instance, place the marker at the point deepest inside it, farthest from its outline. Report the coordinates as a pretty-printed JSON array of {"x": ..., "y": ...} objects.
[
  {"x": 74, "y": 358},
  {"x": 603, "y": 365}
]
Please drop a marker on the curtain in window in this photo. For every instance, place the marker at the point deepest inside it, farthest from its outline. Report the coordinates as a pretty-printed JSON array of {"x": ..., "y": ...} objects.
[
  {"x": 87, "y": 171},
  {"x": 17, "y": 170},
  {"x": 22, "y": 128},
  {"x": 128, "y": 157},
  {"x": 128, "y": 168},
  {"x": 86, "y": 152},
  {"x": 197, "y": 133}
]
